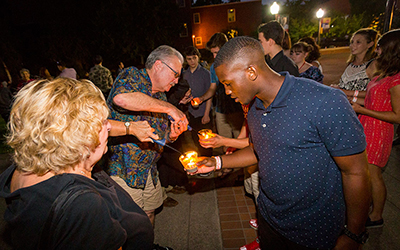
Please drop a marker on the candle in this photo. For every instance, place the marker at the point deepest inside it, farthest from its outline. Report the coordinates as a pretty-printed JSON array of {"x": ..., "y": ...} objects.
[
  {"x": 206, "y": 134},
  {"x": 189, "y": 160},
  {"x": 195, "y": 104}
]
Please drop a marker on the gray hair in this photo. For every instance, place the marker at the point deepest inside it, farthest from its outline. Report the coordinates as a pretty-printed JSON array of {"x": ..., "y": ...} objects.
[
  {"x": 162, "y": 53},
  {"x": 24, "y": 70}
]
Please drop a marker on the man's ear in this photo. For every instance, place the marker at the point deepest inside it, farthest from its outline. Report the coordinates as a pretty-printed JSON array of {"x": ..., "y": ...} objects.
[
  {"x": 251, "y": 73},
  {"x": 271, "y": 42},
  {"x": 157, "y": 65}
]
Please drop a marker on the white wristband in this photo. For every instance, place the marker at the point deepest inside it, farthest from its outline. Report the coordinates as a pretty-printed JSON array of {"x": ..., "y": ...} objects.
[
  {"x": 218, "y": 162},
  {"x": 354, "y": 99},
  {"x": 356, "y": 93}
]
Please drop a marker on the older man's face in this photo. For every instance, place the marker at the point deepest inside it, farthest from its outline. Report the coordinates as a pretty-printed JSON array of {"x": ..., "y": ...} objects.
[{"x": 168, "y": 75}]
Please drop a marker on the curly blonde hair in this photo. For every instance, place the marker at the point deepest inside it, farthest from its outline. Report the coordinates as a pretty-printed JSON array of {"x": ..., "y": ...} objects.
[{"x": 54, "y": 124}]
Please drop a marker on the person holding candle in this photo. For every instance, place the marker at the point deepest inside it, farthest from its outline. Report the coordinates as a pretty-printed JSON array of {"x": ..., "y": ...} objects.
[
  {"x": 199, "y": 80},
  {"x": 314, "y": 178},
  {"x": 228, "y": 114},
  {"x": 138, "y": 95}
]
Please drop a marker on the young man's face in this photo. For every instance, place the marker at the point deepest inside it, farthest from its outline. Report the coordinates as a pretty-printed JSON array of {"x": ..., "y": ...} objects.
[
  {"x": 236, "y": 83},
  {"x": 263, "y": 42},
  {"x": 193, "y": 61},
  {"x": 215, "y": 51}
]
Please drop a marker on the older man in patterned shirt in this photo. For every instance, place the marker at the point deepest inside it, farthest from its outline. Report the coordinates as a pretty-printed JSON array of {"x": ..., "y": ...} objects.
[{"x": 138, "y": 95}]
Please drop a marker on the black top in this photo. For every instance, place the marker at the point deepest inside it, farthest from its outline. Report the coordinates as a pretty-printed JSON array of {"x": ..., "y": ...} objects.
[
  {"x": 281, "y": 63},
  {"x": 104, "y": 219}
]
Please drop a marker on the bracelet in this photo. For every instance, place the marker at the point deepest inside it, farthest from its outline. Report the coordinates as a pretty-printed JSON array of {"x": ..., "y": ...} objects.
[
  {"x": 356, "y": 93},
  {"x": 354, "y": 99},
  {"x": 218, "y": 162}
]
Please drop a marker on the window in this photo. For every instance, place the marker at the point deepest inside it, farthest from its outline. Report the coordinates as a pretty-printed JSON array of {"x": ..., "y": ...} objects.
[
  {"x": 184, "y": 30},
  {"x": 198, "y": 41},
  {"x": 196, "y": 18},
  {"x": 231, "y": 15}
]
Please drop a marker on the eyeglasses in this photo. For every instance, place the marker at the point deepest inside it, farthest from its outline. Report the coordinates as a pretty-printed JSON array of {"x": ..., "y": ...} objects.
[{"x": 176, "y": 73}]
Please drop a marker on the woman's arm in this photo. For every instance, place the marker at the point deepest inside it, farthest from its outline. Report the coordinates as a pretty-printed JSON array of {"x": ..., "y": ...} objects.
[{"x": 387, "y": 116}]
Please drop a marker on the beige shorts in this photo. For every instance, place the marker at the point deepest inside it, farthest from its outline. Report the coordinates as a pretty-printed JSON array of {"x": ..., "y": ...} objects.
[
  {"x": 251, "y": 182},
  {"x": 149, "y": 198}
]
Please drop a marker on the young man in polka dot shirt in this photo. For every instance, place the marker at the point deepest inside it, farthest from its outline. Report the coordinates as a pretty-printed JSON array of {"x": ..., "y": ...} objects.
[{"x": 310, "y": 147}]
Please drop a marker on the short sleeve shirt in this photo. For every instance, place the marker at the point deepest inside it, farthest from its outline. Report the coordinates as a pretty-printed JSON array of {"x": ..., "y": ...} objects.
[
  {"x": 133, "y": 160},
  {"x": 295, "y": 139},
  {"x": 199, "y": 82}
]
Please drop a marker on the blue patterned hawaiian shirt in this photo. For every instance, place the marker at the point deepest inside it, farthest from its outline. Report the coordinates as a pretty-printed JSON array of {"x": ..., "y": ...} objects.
[{"x": 131, "y": 159}]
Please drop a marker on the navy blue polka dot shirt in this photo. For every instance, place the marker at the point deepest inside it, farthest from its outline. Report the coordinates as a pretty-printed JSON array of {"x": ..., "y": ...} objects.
[{"x": 295, "y": 139}]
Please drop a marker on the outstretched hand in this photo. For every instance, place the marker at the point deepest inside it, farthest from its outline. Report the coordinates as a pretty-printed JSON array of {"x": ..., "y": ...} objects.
[
  {"x": 187, "y": 97},
  {"x": 205, "y": 166},
  {"x": 143, "y": 131},
  {"x": 213, "y": 142}
]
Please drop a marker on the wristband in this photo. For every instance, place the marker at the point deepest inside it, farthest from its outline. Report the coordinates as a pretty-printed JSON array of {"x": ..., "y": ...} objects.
[
  {"x": 354, "y": 99},
  {"x": 356, "y": 93},
  {"x": 218, "y": 162}
]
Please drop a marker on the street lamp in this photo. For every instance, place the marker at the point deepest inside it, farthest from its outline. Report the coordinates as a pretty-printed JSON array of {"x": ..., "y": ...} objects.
[
  {"x": 320, "y": 14},
  {"x": 274, "y": 10}
]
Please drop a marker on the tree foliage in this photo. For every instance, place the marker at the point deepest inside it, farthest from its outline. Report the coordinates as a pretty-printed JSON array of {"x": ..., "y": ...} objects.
[
  {"x": 303, "y": 21},
  {"x": 370, "y": 8}
]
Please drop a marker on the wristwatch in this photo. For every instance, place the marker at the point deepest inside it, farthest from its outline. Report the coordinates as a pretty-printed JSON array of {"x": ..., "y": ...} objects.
[
  {"x": 360, "y": 239},
  {"x": 127, "y": 124}
]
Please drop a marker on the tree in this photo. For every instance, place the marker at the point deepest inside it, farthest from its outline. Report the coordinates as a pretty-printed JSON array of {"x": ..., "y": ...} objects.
[{"x": 371, "y": 9}]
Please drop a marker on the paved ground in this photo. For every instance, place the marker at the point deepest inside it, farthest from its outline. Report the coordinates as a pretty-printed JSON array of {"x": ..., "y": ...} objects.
[{"x": 211, "y": 214}]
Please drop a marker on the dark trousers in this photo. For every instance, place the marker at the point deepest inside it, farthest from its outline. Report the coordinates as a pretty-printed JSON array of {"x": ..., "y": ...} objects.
[
  {"x": 270, "y": 239},
  {"x": 196, "y": 125}
]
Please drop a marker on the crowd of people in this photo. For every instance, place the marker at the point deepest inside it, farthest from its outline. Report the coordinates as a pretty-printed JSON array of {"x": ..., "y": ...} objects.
[{"x": 313, "y": 153}]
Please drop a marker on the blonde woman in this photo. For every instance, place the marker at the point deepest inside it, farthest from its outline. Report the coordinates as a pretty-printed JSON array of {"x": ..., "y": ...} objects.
[
  {"x": 58, "y": 131},
  {"x": 362, "y": 48}
]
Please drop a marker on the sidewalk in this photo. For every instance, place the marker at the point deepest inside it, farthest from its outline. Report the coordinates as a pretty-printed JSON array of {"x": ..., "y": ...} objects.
[{"x": 192, "y": 225}]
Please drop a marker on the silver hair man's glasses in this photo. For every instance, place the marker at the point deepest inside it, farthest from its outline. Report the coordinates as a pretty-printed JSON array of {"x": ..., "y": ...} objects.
[{"x": 176, "y": 73}]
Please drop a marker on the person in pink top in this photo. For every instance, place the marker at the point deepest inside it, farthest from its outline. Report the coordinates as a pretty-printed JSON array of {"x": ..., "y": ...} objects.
[{"x": 381, "y": 109}]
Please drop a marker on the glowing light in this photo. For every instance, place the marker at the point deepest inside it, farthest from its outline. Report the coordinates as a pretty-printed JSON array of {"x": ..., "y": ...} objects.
[
  {"x": 189, "y": 160},
  {"x": 320, "y": 13},
  {"x": 206, "y": 134},
  {"x": 274, "y": 8}
]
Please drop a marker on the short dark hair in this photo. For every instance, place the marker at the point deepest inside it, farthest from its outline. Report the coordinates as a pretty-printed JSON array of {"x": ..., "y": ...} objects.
[
  {"x": 273, "y": 30},
  {"x": 238, "y": 47},
  {"x": 388, "y": 63},
  {"x": 97, "y": 59},
  {"x": 191, "y": 51},
  {"x": 217, "y": 40}
]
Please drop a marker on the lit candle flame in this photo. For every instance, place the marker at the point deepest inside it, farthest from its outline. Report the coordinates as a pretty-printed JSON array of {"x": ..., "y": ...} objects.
[
  {"x": 206, "y": 134},
  {"x": 189, "y": 160}
]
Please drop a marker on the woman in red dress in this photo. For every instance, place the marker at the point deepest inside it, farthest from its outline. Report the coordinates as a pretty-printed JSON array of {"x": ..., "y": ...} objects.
[{"x": 381, "y": 109}]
